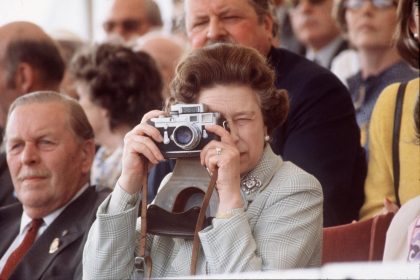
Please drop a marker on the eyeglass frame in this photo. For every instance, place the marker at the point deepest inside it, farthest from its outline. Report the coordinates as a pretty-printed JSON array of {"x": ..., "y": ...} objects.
[
  {"x": 293, "y": 4},
  {"x": 386, "y": 4}
]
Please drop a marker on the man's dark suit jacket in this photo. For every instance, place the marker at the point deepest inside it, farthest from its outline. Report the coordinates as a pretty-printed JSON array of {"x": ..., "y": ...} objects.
[
  {"x": 6, "y": 185},
  {"x": 344, "y": 45},
  {"x": 320, "y": 135},
  {"x": 71, "y": 227}
]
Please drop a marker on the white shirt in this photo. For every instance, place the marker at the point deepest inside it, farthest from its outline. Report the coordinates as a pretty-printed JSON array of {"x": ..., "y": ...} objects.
[
  {"x": 326, "y": 54},
  {"x": 25, "y": 223},
  {"x": 106, "y": 169}
]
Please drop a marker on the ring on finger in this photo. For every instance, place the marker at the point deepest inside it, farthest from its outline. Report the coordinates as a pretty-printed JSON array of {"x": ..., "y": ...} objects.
[{"x": 218, "y": 151}]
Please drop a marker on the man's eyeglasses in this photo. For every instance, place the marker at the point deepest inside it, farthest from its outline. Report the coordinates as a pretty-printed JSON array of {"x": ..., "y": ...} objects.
[
  {"x": 380, "y": 4},
  {"x": 128, "y": 25},
  {"x": 295, "y": 3}
]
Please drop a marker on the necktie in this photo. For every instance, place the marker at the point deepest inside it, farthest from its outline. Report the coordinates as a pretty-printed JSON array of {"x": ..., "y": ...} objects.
[{"x": 20, "y": 251}]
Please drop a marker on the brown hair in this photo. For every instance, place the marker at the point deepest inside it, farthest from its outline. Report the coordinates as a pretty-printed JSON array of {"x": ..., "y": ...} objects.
[
  {"x": 42, "y": 54},
  {"x": 339, "y": 12},
  {"x": 265, "y": 8},
  {"x": 78, "y": 121},
  {"x": 227, "y": 64},
  {"x": 125, "y": 83},
  {"x": 407, "y": 45}
]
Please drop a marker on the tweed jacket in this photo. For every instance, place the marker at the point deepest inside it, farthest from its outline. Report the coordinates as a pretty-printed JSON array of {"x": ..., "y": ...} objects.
[
  {"x": 70, "y": 228},
  {"x": 279, "y": 227}
]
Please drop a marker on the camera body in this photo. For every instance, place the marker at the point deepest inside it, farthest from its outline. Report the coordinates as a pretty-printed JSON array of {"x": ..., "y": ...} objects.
[{"x": 183, "y": 132}]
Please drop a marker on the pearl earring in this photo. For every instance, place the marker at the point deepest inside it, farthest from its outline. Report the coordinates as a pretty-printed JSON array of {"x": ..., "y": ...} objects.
[
  {"x": 267, "y": 138},
  {"x": 416, "y": 35}
]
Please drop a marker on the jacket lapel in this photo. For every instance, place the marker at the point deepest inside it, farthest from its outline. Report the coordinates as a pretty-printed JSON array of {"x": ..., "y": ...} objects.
[
  {"x": 9, "y": 225},
  {"x": 70, "y": 226}
]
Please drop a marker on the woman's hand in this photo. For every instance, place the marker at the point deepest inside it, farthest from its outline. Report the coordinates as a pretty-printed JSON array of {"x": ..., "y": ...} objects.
[
  {"x": 389, "y": 207},
  {"x": 140, "y": 153},
  {"x": 225, "y": 156}
]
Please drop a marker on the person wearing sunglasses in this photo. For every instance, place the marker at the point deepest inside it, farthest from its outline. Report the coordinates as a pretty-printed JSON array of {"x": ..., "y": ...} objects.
[
  {"x": 129, "y": 19},
  {"x": 402, "y": 240},
  {"x": 317, "y": 30},
  {"x": 379, "y": 185},
  {"x": 370, "y": 26}
]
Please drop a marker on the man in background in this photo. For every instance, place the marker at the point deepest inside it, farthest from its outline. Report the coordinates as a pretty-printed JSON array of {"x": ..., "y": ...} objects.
[
  {"x": 50, "y": 147},
  {"x": 315, "y": 27},
  {"x": 29, "y": 61},
  {"x": 129, "y": 19},
  {"x": 167, "y": 51}
]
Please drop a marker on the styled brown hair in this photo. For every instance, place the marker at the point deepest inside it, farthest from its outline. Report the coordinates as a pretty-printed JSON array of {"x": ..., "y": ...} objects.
[
  {"x": 41, "y": 54},
  {"x": 125, "y": 83},
  {"x": 407, "y": 44},
  {"x": 227, "y": 64}
]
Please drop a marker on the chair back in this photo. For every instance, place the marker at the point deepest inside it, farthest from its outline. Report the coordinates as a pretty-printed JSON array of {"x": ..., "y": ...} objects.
[{"x": 358, "y": 241}]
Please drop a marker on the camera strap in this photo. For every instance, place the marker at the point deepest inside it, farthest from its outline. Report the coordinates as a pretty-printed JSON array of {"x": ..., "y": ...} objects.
[
  {"x": 143, "y": 263},
  {"x": 200, "y": 222}
]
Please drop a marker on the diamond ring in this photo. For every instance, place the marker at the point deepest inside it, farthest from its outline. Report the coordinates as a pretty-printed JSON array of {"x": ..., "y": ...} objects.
[{"x": 218, "y": 151}]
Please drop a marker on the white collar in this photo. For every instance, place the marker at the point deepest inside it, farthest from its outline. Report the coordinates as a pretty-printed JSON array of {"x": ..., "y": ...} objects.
[
  {"x": 324, "y": 55},
  {"x": 49, "y": 219}
]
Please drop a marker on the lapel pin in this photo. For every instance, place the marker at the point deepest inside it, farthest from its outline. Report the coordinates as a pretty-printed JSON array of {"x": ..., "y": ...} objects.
[
  {"x": 65, "y": 232},
  {"x": 54, "y": 245}
]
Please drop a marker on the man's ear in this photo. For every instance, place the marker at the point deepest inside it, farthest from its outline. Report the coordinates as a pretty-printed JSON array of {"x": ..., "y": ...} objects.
[
  {"x": 269, "y": 24},
  {"x": 25, "y": 77},
  {"x": 88, "y": 153}
]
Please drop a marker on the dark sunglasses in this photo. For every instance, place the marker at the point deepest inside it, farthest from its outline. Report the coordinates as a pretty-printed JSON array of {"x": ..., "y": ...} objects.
[
  {"x": 379, "y": 4},
  {"x": 295, "y": 3},
  {"x": 127, "y": 25}
]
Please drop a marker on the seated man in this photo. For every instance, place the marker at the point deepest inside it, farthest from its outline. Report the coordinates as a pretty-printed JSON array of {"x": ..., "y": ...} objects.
[
  {"x": 317, "y": 30},
  {"x": 29, "y": 61},
  {"x": 49, "y": 160}
]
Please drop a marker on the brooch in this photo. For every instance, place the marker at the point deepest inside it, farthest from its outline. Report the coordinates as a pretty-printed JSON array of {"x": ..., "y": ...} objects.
[{"x": 250, "y": 184}]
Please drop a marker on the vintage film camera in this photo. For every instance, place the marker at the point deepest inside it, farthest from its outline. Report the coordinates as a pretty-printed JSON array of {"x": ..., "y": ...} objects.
[
  {"x": 183, "y": 131},
  {"x": 177, "y": 204}
]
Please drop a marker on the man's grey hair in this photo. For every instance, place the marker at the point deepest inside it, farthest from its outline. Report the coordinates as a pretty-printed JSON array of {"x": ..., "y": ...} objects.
[{"x": 79, "y": 122}]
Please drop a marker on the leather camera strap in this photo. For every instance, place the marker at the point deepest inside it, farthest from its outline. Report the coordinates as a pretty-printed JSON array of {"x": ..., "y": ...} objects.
[
  {"x": 200, "y": 222},
  {"x": 144, "y": 262},
  {"x": 396, "y": 140}
]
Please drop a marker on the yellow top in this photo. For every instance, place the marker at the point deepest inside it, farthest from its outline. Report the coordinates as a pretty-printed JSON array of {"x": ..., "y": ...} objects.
[{"x": 379, "y": 182}]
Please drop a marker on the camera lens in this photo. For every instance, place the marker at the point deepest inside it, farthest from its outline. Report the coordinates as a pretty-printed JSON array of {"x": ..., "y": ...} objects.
[
  {"x": 186, "y": 136},
  {"x": 183, "y": 135}
]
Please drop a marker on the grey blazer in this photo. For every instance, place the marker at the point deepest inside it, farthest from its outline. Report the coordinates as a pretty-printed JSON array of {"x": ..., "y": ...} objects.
[{"x": 280, "y": 227}]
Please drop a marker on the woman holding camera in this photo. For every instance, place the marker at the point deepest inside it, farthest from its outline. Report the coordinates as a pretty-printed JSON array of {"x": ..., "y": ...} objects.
[{"x": 275, "y": 222}]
